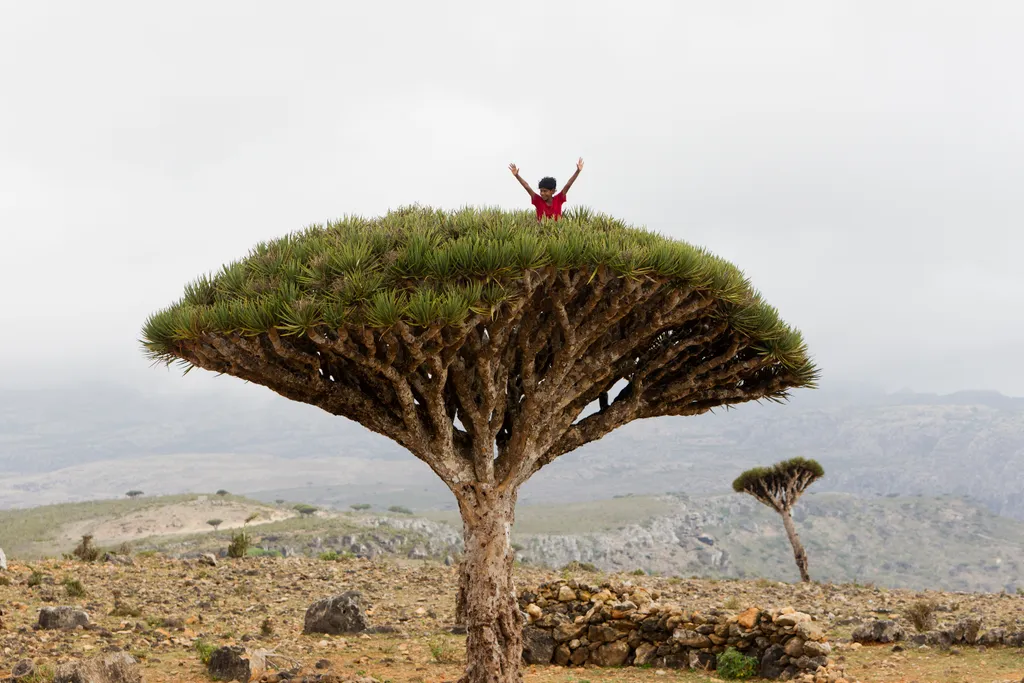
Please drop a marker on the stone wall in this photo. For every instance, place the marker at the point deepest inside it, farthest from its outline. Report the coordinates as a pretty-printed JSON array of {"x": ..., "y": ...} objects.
[{"x": 574, "y": 624}]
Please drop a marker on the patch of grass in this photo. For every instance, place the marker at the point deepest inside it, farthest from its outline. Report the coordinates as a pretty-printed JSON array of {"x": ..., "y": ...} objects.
[
  {"x": 123, "y": 609},
  {"x": 74, "y": 588},
  {"x": 35, "y": 578},
  {"x": 444, "y": 651},
  {"x": 400, "y": 509},
  {"x": 734, "y": 665},
  {"x": 5, "y": 581},
  {"x": 44, "y": 673},
  {"x": 267, "y": 626},
  {"x": 205, "y": 650},
  {"x": 731, "y": 603},
  {"x": 329, "y": 556},
  {"x": 638, "y": 572},
  {"x": 576, "y": 566}
]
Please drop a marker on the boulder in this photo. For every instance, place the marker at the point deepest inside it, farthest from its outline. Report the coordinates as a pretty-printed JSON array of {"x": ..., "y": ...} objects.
[
  {"x": 808, "y": 630},
  {"x": 645, "y": 653},
  {"x": 114, "y": 667},
  {"x": 566, "y": 594},
  {"x": 966, "y": 630},
  {"x": 335, "y": 616},
  {"x": 880, "y": 631},
  {"x": 209, "y": 559},
  {"x": 237, "y": 663},
  {"x": 771, "y": 662},
  {"x": 63, "y": 617},
  {"x": 611, "y": 654},
  {"x": 538, "y": 646},
  {"x": 3, "y": 560},
  {"x": 993, "y": 636},
  {"x": 688, "y": 638},
  {"x": 794, "y": 647}
]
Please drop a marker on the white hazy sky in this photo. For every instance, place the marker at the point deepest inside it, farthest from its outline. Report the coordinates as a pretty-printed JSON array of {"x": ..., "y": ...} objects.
[{"x": 861, "y": 161}]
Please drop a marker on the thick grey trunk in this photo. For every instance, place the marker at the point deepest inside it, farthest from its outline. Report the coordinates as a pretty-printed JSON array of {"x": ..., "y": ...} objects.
[
  {"x": 487, "y": 600},
  {"x": 794, "y": 539}
]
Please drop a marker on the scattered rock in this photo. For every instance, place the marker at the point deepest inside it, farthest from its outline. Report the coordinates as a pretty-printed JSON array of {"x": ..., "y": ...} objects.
[
  {"x": 63, "y": 617},
  {"x": 322, "y": 664},
  {"x": 116, "y": 667},
  {"x": 116, "y": 558},
  {"x": 566, "y": 594},
  {"x": 237, "y": 663},
  {"x": 817, "y": 649},
  {"x": 338, "y": 615},
  {"x": 209, "y": 559},
  {"x": 966, "y": 630},
  {"x": 880, "y": 631}
]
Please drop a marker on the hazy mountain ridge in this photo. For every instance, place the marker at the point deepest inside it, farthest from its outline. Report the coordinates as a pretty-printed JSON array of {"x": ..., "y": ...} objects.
[{"x": 969, "y": 444}]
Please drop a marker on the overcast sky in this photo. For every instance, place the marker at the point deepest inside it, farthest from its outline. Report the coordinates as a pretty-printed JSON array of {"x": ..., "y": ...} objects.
[{"x": 861, "y": 161}]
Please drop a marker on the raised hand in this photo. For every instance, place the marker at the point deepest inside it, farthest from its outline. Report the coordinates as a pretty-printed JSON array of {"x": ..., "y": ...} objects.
[
  {"x": 579, "y": 164},
  {"x": 514, "y": 169}
]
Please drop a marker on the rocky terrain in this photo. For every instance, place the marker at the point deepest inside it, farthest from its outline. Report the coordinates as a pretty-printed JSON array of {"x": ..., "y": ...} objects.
[{"x": 166, "y": 613}]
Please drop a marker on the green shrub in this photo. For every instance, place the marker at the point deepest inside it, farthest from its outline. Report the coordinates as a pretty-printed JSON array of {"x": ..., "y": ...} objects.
[
  {"x": 35, "y": 578},
  {"x": 74, "y": 588},
  {"x": 639, "y": 572},
  {"x": 5, "y": 581},
  {"x": 577, "y": 566},
  {"x": 733, "y": 664},
  {"x": 400, "y": 509},
  {"x": 305, "y": 509},
  {"x": 239, "y": 546},
  {"x": 329, "y": 556},
  {"x": 361, "y": 506}
]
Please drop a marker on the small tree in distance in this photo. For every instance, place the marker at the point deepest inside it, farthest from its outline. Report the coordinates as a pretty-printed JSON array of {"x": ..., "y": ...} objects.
[
  {"x": 222, "y": 493},
  {"x": 305, "y": 509},
  {"x": 359, "y": 507},
  {"x": 133, "y": 493},
  {"x": 780, "y": 487},
  {"x": 215, "y": 523}
]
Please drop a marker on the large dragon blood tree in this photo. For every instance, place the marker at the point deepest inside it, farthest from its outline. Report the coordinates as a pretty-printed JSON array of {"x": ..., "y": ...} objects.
[{"x": 487, "y": 344}]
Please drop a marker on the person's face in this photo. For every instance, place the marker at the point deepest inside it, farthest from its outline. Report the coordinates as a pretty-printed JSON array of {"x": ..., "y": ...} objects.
[{"x": 546, "y": 195}]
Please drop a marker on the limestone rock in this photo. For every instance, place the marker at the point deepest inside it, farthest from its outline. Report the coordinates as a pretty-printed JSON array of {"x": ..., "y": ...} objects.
[
  {"x": 209, "y": 559},
  {"x": 117, "y": 558},
  {"x": 880, "y": 631},
  {"x": 814, "y": 648},
  {"x": 748, "y": 619},
  {"x": 688, "y": 638},
  {"x": 791, "y": 618},
  {"x": 794, "y": 647},
  {"x": 808, "y": 630},
  {"x": 237, "y": 663},
  {"x": 645, "y": 652},
  {"x": 533, "y": 612},
  {"x": 63, "y": 617},
  {"x": 116, "y": 667},
  {"x": 538, "y": 646},
  {"x": 335, "y": 616},
  {"x": 966, "y": 630},
  {"x": 611, "y": 654},
  {"x": 566, "y": 594},
  {"x": 3, "y": 560}
]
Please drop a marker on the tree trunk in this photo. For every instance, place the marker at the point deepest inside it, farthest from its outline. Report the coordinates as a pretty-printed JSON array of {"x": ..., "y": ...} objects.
[
  {"x": 494, "y": 626},
  {"x": 798, "y": 549}
]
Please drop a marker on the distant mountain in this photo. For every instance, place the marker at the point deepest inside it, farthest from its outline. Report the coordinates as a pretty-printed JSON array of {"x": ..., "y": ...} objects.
[{"x": 969, "y": 444}]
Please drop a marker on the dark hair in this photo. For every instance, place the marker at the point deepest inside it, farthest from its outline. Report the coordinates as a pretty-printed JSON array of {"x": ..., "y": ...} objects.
[{"x": 547, "y": 183}]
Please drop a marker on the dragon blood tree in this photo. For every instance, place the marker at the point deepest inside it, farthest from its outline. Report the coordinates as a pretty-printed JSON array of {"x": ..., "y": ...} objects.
[
  {"x": 487, "y": 344},
  {"x": 780, "y": 487}
]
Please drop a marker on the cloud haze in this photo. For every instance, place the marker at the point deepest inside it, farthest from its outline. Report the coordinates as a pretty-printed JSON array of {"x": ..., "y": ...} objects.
[{"x": 860, "y": 161}]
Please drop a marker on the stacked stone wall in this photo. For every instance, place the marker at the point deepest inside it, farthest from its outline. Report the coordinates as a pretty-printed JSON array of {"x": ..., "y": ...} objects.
[{"x": 574, "y": 624}]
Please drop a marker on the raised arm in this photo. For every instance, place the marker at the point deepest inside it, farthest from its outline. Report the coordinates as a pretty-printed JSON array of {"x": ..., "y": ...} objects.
[
  {"x": 526, "y": 185},
  {"x": 579, "y": 167}
]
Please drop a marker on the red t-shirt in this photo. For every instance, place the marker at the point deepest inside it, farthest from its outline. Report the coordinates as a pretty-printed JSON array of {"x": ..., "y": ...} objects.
[{"x": 544, "y": 211}]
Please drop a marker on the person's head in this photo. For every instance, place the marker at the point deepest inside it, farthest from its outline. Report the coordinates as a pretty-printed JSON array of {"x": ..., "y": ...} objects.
[{"x": 547, "y": 187}]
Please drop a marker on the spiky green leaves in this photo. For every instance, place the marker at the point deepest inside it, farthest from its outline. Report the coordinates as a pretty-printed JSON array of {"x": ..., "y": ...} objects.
[
  {"x": 426, "y": 267},
  {"x": 796, "y": 470}
]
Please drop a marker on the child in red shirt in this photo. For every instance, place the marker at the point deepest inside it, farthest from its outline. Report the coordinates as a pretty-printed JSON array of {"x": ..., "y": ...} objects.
[{"x": 547, "y": 203}]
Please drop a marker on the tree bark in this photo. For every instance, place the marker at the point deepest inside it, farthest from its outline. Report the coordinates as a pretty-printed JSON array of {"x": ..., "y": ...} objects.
[
  {"x": 799, "y": 554},
  {"x": 494, "y": 626}
]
